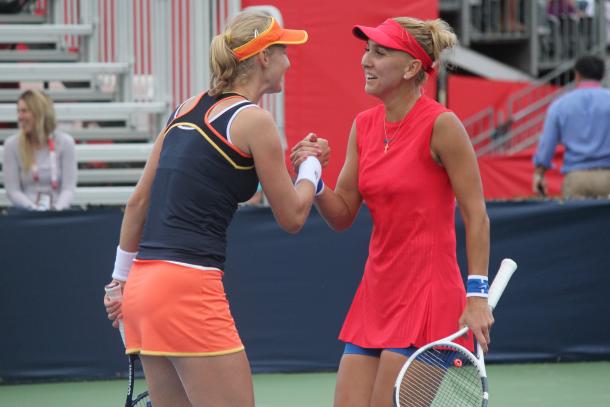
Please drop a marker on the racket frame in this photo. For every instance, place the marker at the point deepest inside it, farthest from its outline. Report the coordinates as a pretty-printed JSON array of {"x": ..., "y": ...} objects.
[
  {"x": 477, "y": 361},
  {"x": 130, "y": 380}
]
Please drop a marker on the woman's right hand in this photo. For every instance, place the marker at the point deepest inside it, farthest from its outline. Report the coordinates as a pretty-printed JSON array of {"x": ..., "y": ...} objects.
[
  {"x": 310, "y": 145},
  {"x": 113, "y": 306}
]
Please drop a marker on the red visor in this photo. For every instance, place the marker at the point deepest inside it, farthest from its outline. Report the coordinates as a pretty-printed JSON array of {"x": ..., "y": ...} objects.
[{"x": 391, "y": 34}]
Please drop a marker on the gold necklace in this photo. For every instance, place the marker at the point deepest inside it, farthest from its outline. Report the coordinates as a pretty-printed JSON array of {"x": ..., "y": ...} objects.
[{"x": 387, "y": 140}]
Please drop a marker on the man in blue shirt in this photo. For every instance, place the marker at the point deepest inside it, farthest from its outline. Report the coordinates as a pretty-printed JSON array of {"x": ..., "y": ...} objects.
[{"x": 580, "y": 120}]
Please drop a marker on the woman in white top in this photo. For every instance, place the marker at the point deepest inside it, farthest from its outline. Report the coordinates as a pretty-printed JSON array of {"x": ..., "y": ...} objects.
[{"x": 39, "y": 163}]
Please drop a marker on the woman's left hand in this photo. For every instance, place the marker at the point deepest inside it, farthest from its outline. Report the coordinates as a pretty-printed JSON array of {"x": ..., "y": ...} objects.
[{"x": 478, "y": 317}]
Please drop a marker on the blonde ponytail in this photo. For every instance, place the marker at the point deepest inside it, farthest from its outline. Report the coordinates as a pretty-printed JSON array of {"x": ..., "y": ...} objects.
[
  {"x": 224, "y": 65},
  {"x": 433, "y": 36}
]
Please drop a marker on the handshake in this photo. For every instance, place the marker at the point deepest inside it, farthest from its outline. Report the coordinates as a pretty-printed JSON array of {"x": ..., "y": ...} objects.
[{"x": 308, "y": 157}]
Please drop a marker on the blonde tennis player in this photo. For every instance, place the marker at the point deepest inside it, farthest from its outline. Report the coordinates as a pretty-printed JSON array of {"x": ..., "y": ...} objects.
[
  {"x": 410, "y": 159},
  {"x": 211, "y": 155}
]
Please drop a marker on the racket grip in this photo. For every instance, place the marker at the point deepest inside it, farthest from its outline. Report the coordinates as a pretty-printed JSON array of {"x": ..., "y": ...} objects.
[
  {"x": 507, "y": 268},
  {"x": 114, "y": 292}
]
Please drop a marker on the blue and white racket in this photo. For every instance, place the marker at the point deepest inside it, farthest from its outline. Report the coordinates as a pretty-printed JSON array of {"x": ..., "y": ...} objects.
[{"x": 446, "y": 374}]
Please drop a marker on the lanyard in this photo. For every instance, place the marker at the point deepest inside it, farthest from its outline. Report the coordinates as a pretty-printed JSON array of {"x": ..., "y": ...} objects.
[{"x": 53, "y": 162}]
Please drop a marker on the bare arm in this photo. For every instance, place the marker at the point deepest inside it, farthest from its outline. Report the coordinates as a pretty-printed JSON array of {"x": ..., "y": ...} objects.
[
  {"x": 290, "y": 204},
  {"x": 137, "y": 205},
  {"x": 340, "y": 207},
  {"x": 133, "y": 221},
  {"x": 452, "y": 148}
]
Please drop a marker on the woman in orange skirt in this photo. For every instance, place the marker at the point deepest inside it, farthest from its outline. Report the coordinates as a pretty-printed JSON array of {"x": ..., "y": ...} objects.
[{"x": 213, "y": 152}]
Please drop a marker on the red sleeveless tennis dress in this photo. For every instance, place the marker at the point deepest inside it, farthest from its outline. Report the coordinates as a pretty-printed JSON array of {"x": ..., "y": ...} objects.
[{"x": 412, "y": 292}]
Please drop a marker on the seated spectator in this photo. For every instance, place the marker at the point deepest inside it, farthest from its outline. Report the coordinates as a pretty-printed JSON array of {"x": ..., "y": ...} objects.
[
  {"x": 39, "y": 162},
  {"x": 561, "y": 8},
  {"x": 512, "y": 14}
]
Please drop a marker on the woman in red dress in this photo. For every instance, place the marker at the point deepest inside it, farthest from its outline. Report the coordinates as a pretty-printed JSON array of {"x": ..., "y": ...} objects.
[{"x": 409, "y": 159}]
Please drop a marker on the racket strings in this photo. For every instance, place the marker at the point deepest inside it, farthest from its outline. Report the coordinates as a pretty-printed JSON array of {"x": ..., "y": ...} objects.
[{"x": 441, "y": 378}]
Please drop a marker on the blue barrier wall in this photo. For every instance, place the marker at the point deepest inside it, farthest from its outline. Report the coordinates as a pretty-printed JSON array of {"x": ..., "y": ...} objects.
[{"x": 289, "y": 293}]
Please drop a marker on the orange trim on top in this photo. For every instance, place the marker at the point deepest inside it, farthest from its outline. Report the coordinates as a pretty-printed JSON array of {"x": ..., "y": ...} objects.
[
  {"x": 190, "y": 108},
  {"x": 224, "y": 140}
]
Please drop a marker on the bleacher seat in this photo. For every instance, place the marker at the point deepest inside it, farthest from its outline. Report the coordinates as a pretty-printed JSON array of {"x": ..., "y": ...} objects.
[{"x": 114, "y": 185}]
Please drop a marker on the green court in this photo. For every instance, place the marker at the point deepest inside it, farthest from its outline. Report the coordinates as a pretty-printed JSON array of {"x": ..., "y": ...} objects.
[{"x": 521, "y": 385}]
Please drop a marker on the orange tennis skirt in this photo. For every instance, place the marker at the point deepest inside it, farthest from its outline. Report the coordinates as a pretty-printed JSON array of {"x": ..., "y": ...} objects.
[{"x": 175, "y": 310}]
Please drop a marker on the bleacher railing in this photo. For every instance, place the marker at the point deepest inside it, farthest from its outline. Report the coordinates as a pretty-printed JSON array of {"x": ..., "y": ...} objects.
[{"x": 557, "y": 44}]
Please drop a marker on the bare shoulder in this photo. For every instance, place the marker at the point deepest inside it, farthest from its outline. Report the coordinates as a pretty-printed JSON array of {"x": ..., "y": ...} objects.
[
  {"x": 256, "y": 114},
  {"x": 448, "y": 121},
  {"x": 253, "y": 118},
  {"x": 448, "y": 137},
  {"x": 448, "y": 128},
  {"x": 187, "y": 104}
]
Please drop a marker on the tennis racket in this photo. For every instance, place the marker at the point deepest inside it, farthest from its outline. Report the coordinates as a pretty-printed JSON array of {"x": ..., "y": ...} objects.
[
  {"x": 446, "y": 374},
  {"x": 142, "y": 400}
]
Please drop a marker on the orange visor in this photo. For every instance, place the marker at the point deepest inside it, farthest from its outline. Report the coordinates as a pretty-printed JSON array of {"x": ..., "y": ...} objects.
[{"x": 272, "y": 35}]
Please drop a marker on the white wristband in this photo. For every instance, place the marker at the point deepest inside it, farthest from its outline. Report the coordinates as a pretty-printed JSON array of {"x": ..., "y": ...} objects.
[
  {"x": 311, "y": 170},
  {"x": 122, "y": 264}
]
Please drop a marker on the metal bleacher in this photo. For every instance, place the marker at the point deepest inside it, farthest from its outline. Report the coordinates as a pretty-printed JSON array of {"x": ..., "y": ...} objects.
[
  {"x": 528, "y": 37},
  {"x": 114, "y": 75},
  {"x": 105, "y": 185},
  {"x": 94, "y": 97}
]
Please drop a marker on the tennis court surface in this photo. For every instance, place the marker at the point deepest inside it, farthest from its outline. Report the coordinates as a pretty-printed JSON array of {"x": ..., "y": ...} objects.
[{"x": 519, "y": 385}]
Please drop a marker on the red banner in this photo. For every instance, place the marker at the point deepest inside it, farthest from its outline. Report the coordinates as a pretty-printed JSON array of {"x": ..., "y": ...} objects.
[
  {"x": 488, "y": 93},
  {"x": 510, "y": 176}
]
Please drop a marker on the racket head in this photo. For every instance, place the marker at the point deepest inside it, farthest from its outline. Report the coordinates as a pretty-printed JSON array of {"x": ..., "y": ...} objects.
[
  {"x": 442, "y": 374},
  {"x": 142, "y": 400}
]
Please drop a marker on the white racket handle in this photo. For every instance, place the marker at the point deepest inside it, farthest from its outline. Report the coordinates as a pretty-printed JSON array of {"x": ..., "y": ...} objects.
[
  {"x": 507, "y": 268},
  {"x": 114, "y": 293}
]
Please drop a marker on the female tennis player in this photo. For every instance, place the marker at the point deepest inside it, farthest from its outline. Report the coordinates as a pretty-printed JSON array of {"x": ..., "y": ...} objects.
[
  {"x": 409, "y": 159},
  {"x": 211, "y": 155}
]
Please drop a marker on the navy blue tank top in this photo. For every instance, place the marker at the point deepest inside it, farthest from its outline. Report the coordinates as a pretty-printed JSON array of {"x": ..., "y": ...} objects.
[{"x": 200, "y": 179}]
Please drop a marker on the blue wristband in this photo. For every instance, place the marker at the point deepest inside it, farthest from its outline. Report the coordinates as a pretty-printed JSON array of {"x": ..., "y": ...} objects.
[
  {"x": 319, "y": 187},
  {"x": 477, "y": 286}
]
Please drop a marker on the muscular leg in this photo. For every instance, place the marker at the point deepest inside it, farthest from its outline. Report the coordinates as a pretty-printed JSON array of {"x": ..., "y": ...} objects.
[
  {"x": 390, "y": 364},
  {"x": 163, "y": 383},
  {"x": 355, "y": 380},
  {"x": 216, "y": 381}
]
